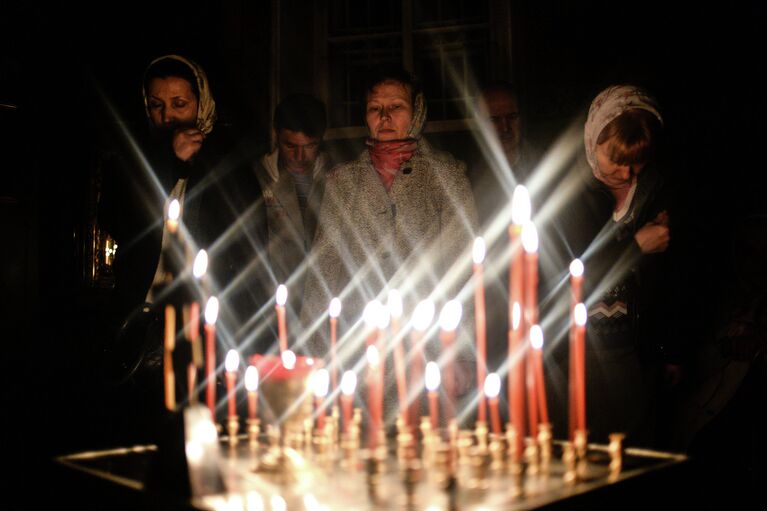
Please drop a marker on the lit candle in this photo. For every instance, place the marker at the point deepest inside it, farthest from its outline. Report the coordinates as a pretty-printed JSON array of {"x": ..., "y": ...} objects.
[
  {"x": 375, "y": 395},
  {"x": 334, "y": 311},
  {"x": 231, "y": 363},
  {"x": 289, "y": 359},
  {"x": 480, "y": 322},
  {"x": 282, "y": 329},
  {"x": 320, "y": 384},
  {"x": 174, "y": 212},
  {"x": 199, "y": 268},
  {"x": 371, "y": 316},
  {"x": 251, "y": 385},
  {"x": 520, "y": 214},
  {"x": 200, "y": 265},
  {"x": 536, "y": 341},
  {"x": 580, "y": 316},
  {"x": 576, "y": 291},
  {"x": 394, "y": 304},
  {"x": 421, "y": 320},
  {"x": 530, "y": 316},
  {"x": 432, "y": 382},
  {"x": 348, "y": 384},
  {"x": 170, "y": 345},
  {"x": 211, "y": 314},
  {"x": 449, "y": 318},
  {"x": 492, "y": 389}
]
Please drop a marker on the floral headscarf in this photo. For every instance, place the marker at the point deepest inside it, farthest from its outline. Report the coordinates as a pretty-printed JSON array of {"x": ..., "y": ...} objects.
[
  {"x": 206, "y": 106},
  {"x": 609, "y": 104}
]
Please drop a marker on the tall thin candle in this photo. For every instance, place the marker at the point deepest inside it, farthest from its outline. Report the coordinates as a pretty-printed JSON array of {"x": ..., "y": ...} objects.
[
  {"x": 375, "y": 396},
  {"x": 394, "y": 304},
  {"x": 432, "y": 381},
  {"x": 231, "y": 363},
  {"x": 580, "y": 316},
  {"x": 251, "y": 385},
  {"x": 530, "y": 314},
  {"x": 169, "y": 346},
  {"x": 448, "y": 321},
  {"x": 422, "y": 318},
  {"x": 536, "y": 341},
  {"x": 320, "y": 384},
  {"x": 492, "y": 388},
  {"x": 333, "y": 312},
  {"x": 211, "y": 314},
  {"x": 576, "y": 290},
  {"x": 480, "y": 324},
  {"x": 348, "y": 385},
  {"x": 282, "y": 327}
]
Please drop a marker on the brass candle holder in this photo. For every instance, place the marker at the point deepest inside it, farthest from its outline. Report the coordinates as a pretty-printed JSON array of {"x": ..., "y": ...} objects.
[
  {"x": 615, "y": 450},
  {"x": 544, "y": 445},
  {"x": 481, "y": 432},
  {"x": 532, "y": 456},
  {"x": 497, "y": 451},
  {"x": 569, "y": 460},
  {"x": 580, "y": 444},
  {"x": 232, "y": 428},
  {"x": 254, "y": 430}
]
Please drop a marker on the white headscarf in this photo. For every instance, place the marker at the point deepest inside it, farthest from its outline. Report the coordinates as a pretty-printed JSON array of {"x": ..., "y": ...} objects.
[
  {"x": 609, "y": 104},
  {"x": 206, "y": 106}
]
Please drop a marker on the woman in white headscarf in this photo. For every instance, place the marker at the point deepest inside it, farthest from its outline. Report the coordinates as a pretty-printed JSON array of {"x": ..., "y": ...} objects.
[{"x": 619, "y": 226}]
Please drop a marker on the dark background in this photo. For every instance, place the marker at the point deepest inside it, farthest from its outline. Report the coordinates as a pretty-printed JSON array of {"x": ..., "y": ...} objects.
[{"x": 58, "y": 64}]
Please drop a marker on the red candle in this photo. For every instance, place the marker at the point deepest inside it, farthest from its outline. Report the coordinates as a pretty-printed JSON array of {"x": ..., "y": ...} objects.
[
  {"x": 492, "y": 387},
  {"x": 536, "y": 341},
  {"x": 231, "y": 363},
  {"x": 580, "y": 316},
  {"x": 480, "y": 323},
  {"x": 348, "y": 385},
  {"x": 320, "y": 384},
  {"x": 251, "y": 385},
  {"x": 211, "y": 314},
  {"x": 448, "y": 320},
  {"x": 394, "y": 304},
  {"x": 422, "y": 317},
  {"x": 432, "y": 382},
  {"x": 375, "y": 396},
  {"x": 282, "y": 328},
  {"x": 334, "y": 311},
  {"x": 170, "y": 345},
  {"x": 576, "y": 291},
  {"x": 530, "y": 243}
]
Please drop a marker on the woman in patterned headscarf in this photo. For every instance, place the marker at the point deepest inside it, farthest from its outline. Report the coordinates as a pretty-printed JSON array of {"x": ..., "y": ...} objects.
[
  {"x": 400, "y": 215},
  {"x": 619, "y": 226}
]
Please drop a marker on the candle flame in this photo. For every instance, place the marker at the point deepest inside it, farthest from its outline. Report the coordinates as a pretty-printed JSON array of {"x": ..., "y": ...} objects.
[
  {"x": 422, "y": 315},
  {"x": 232, "y": 361},
  {"x": 580, "y": 314},
  {"x": 174, "y": 209},
  {"x": 254, "y": 501},
  {"x": 384, "y": 317},
  {"x": 516, "y": 316},
  {"x": 200, "y": 265},
  {"x": 450, "y": 315},
  {"x": 478, "y": 252},
  {"x": 335, "y": 308},
  {"x": 311, "y": 503},
  {"x": 530, "y": 237},
  {"x": 278, "y": 503},
  {"x": 371, "y": 314},
  {"x": 536, "y": 337},
  {"x": 310, "y": 361},
  {"x": 211, "y": 310},
  {"x": 432, "y": 376},
  {"x": 321, "y": 383},
  {"x": 288, "y": 359},
  {"x": 251, "y": 379},
  {"x": 282, "y": 294},
  {"x": 520, "y": 205},
  {"x": 394, "y": 304},
  {"x": 492, "y": 385},
  {"x": 372, "y": 355},
  {"x": 348, "y": 383},
  {"x": 576, "y": 268}
]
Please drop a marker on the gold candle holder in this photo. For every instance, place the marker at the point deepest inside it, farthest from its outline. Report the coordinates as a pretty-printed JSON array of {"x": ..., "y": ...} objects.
[
  {"x": 465, "y": 442},
  {"x": 615, "y": 450},
  {"x": 511, "y": 442},
  {"x": 570, "y": 462},
  {"x": 580, "y": 443},
  {"x": 481, "y": 433},
  {"x": 232, "y": 427},
  {"x": 497, "y": 452},
  {"x": 544, "y": 445},
  {"x": 531, "y": 456},
  {"x": 478, "y": 463},
  {"x": 254, "y": 430}
]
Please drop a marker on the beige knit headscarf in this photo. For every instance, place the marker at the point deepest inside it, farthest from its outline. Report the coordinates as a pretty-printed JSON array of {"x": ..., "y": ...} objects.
[{"x": 206, "y": 106}]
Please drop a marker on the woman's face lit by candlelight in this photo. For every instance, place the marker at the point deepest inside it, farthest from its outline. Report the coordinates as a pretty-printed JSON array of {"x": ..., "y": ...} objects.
[
  {"x": 171, "y": 102},
  {"x": 614, "y": 175},
  {"x": 389, "y": 111}
]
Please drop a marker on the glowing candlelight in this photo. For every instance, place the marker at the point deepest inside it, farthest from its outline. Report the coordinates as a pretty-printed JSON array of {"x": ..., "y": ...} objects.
[
  {"x": 231, "y": 363},
  {"x": 211, "y": 314},
  {"x": 320, "y": 385},
  {"x": 200, "y": 266},
  {"x": 371, "y": 316},
  {"x": 251, "y": 385},
  {"x": 448, "y": 321},
  {"x": 529, "y": 238},
  {"x": 480, "y": 321},
  {"x": 288, "y": 359},
  {"x": 169, "y": 376},
  {"x": 348, "y": 385},
  {"x": 580, "y": 316},
  {"x": 432, "y": 381},
  {"x": 492, "y": 388},
  {"x": 536, "y": 341},
  {"x": 333, "y": 312},
  {"x": 174, "y": 212},
  {"x": 282, "y": 329},
  {"x": 520, "y": 205},
  {"x": 421, "y": 320},
  {"x": 576, "y": 290}
]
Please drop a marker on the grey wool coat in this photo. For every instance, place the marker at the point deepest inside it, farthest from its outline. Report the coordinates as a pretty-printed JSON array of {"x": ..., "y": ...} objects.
[{"x": 417, "y": 238}]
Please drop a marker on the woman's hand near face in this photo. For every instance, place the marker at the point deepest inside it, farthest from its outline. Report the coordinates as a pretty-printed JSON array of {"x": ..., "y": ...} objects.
[
  {"x": 654, "y": 236},
  {"x": 187, "y": 142}
]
